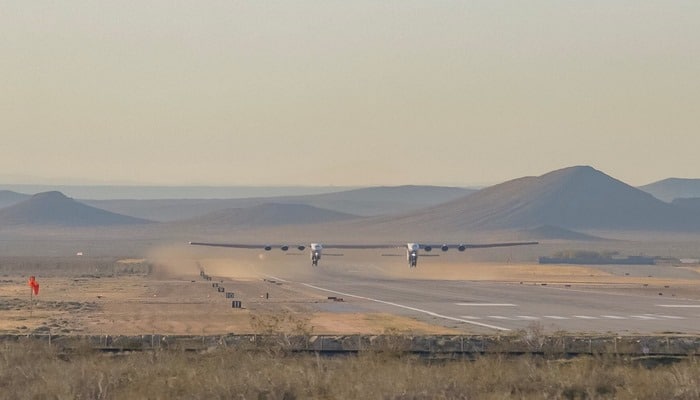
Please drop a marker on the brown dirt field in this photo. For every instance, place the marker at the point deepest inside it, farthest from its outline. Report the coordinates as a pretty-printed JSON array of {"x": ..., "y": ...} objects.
[
  {"x": 175, "y": 300},
  {"x": 141, "y": 305},
  {"x": 528, "y": 273}
]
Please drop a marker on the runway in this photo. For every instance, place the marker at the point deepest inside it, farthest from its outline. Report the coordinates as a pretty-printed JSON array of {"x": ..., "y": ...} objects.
[{"x": 479, "y": 307}]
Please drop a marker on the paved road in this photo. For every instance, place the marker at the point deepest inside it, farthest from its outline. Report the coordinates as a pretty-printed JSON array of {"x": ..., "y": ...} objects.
[{"x": 488, "y": 307}]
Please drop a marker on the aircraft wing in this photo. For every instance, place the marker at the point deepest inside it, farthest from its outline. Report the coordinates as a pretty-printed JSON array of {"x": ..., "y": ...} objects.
[
  {"x": 412, "y": 248},
  {"x": 462, "y": 246},
  {"x": 363, "y": 246},
  {"x": 265, "y": 246}
]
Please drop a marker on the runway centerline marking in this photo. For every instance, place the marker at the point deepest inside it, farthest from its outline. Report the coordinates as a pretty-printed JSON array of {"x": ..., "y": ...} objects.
[
  {"x": 275, "y": 278},
  {"x": 487, "y": 304},
  {"x": 679, "y": 305},
  {"x": 643, "y": 317},
  {"x": 433, "y": 314},
  {"x": 613, "y": 317},
  {"x": 667, "y": 316}
]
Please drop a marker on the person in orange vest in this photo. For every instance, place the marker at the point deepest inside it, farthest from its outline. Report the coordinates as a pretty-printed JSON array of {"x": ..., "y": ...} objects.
[{"x": 34, "y": 285}]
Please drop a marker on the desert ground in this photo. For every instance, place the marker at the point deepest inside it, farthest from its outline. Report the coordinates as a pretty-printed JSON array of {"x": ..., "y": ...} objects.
[{"x": 165, "y": 292}]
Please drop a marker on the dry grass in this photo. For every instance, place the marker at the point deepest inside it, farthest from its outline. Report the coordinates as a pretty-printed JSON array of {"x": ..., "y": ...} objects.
[
  {"x": 32, "y": 370},
  {"x": 72, "y": 266}
]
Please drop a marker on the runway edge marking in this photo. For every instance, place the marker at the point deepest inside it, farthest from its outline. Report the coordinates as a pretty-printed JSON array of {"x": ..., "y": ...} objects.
[
  {"x": 433, "y": 314},
  {"x": 275, "y": 278},
  {"x": 679, "y": 305}
]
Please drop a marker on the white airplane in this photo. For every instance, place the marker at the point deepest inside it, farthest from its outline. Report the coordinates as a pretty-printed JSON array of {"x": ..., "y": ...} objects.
[{"x": 411, "y": 248}]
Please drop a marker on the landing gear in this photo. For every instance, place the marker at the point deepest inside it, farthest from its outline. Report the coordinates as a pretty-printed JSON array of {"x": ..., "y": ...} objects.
[
  {"x": 412, "y": 259},
  {"x": 314, "y": 259}
]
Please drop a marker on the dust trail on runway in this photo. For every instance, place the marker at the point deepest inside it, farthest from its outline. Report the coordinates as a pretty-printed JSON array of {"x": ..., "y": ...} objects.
[{"x": 184, "y": 261}]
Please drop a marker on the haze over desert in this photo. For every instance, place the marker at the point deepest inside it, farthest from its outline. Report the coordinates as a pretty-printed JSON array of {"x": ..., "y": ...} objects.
[
  {"x": 342, "y": 200},
  {"x": 138, "y": 274}
]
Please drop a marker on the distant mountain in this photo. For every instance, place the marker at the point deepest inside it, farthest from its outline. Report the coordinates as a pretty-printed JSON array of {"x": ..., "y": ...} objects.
[
  {"x": 579, "y": 198},
  {"x": 142, "y": 192},
  {"x": 382, "y": 200},
  {"x": 691, "y": 204},
  {"x": 265, "y": 215},
  {"x": 8, "y": 198},
  {"x": 55, "y": 209},
  {"x": 371, "y": 201},
  {"x": 673, "y": 188},
  {"x": 549, "y": 232}
]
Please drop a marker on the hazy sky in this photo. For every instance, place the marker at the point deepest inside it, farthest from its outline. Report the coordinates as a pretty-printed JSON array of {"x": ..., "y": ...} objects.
[{"x": 346, "y": 92}]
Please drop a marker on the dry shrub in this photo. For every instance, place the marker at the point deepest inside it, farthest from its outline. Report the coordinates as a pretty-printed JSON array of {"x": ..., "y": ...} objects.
[
  {"x": 45, "y": 266},
  {"x": 279, "y": 329},
  {"x": 281, "y": 322},
  {"x": 33, "y": 370}
]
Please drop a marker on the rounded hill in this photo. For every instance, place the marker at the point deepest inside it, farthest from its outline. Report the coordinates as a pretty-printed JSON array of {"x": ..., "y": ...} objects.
[{"x": 55, "y": 209}]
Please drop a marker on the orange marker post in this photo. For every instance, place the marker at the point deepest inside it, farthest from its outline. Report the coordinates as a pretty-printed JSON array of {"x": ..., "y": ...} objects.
[{"x": 33, "y": 291}]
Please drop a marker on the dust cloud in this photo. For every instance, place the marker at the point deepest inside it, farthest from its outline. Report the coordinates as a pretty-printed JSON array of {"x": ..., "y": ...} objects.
[
  {"x": 460, "y": 267},
  {"x": 180, "y": 261}
]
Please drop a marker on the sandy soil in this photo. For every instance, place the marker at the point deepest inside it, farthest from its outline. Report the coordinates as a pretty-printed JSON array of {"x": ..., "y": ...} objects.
[
  {"x": 140, "y": 305},
  {"x": 175, "y": 299}
]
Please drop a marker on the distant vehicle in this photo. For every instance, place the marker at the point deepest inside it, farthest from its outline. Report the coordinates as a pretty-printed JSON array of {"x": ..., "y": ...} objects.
[{"x": 412, "y": 249}]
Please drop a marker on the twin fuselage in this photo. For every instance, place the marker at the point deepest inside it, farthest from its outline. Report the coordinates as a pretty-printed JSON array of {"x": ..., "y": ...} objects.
[
  {"x": 316, "y": 249},
  {"x": 411, "y": 253},
  {"x": 412, "y": 249}
]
